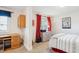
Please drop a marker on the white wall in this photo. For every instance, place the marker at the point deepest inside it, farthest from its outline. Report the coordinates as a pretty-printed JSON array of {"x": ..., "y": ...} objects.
[
  {"x": 74, "y": 23},
  {"x": 28, "y": 31},
  {"x": 34, "y": 27},
  {"x": 72, "y": 11},
  {"x": 13, "y": 25},
  {"x": 35, "y": 20},
  {"x": 13, "y": 22}
]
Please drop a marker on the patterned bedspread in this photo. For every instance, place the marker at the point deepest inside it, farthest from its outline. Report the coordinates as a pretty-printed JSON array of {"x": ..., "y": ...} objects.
[{"x": 65, "y": 42}]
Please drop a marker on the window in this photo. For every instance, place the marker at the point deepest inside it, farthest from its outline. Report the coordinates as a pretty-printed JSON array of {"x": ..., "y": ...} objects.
[
  {"x": 3, "y": 23},
  {"x": 4, "y": 18},
  {"x": 44, "y": 23}
]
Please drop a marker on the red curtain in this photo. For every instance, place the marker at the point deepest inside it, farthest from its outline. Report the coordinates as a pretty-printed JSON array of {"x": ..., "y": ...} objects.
[
  {"x": 49, "y": 23},
  {"x": 38, "y": 36}
]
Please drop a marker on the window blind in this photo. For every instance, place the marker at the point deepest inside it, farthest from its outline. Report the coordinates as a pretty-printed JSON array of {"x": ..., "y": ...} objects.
[{"x": 5, "y": 13}]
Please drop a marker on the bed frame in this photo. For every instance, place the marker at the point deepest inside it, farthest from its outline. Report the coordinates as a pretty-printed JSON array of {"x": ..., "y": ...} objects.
[{"x": 57, "y": 50}]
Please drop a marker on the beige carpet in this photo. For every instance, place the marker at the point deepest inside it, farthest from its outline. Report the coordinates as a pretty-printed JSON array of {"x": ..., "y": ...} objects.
[{"x": 37, "y": 48}]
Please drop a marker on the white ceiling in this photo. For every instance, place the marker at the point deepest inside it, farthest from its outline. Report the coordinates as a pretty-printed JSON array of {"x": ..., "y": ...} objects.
[
  {"x": 16, "y": 7},
  {"x": 49, "y": 10},
  {"x": 56, "y": 10}
]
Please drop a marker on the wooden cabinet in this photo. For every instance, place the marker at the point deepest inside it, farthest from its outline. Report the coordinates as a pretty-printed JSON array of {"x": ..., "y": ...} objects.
[
  {"x": 16, "y": 41},
  {"x": 22, "y": 21},
  {"x": 10, "y": 41}
]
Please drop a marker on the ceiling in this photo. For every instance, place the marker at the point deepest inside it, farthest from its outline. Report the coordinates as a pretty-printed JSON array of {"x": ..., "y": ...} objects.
[
  {"x": 56, "y": 10},
  {"x": 15, "y": 7},
  {"x": 49, "y": 10}
]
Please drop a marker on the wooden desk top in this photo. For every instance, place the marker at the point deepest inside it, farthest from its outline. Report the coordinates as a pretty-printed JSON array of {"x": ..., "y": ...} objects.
[{"x": 8, "y": 35}]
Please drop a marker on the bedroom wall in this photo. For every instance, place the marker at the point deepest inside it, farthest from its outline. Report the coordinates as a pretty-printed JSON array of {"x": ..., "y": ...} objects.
[
  {"x": 34, "y": 27},
  {"x": 13, "y": 22},
  {"x": 13, "y": 26},
  {"x": 28, "y": 31},
  {"x": 34, "y": 18},
  {"x": 74, "y": 23},
  {"x": 54, "y": 11}
]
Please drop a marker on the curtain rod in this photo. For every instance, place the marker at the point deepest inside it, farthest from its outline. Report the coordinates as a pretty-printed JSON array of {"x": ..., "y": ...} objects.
[{"x": 43, "y": 16}]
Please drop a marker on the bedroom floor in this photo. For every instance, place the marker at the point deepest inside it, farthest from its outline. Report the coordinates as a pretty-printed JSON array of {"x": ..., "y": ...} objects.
[{"x": 37, "y": 48}]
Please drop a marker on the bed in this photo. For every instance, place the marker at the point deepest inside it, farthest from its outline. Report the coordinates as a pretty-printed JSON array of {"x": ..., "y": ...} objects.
[{"x": 64, "y": 43}]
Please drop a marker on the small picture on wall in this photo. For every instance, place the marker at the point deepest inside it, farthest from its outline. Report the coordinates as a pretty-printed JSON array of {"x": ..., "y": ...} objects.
[
  {"x": 32, "y": 22},
  {"x": 66, "y": 23}
]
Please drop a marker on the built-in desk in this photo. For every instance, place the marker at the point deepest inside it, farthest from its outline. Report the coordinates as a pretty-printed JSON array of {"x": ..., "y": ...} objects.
[{"x": 10, "y": 41}]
